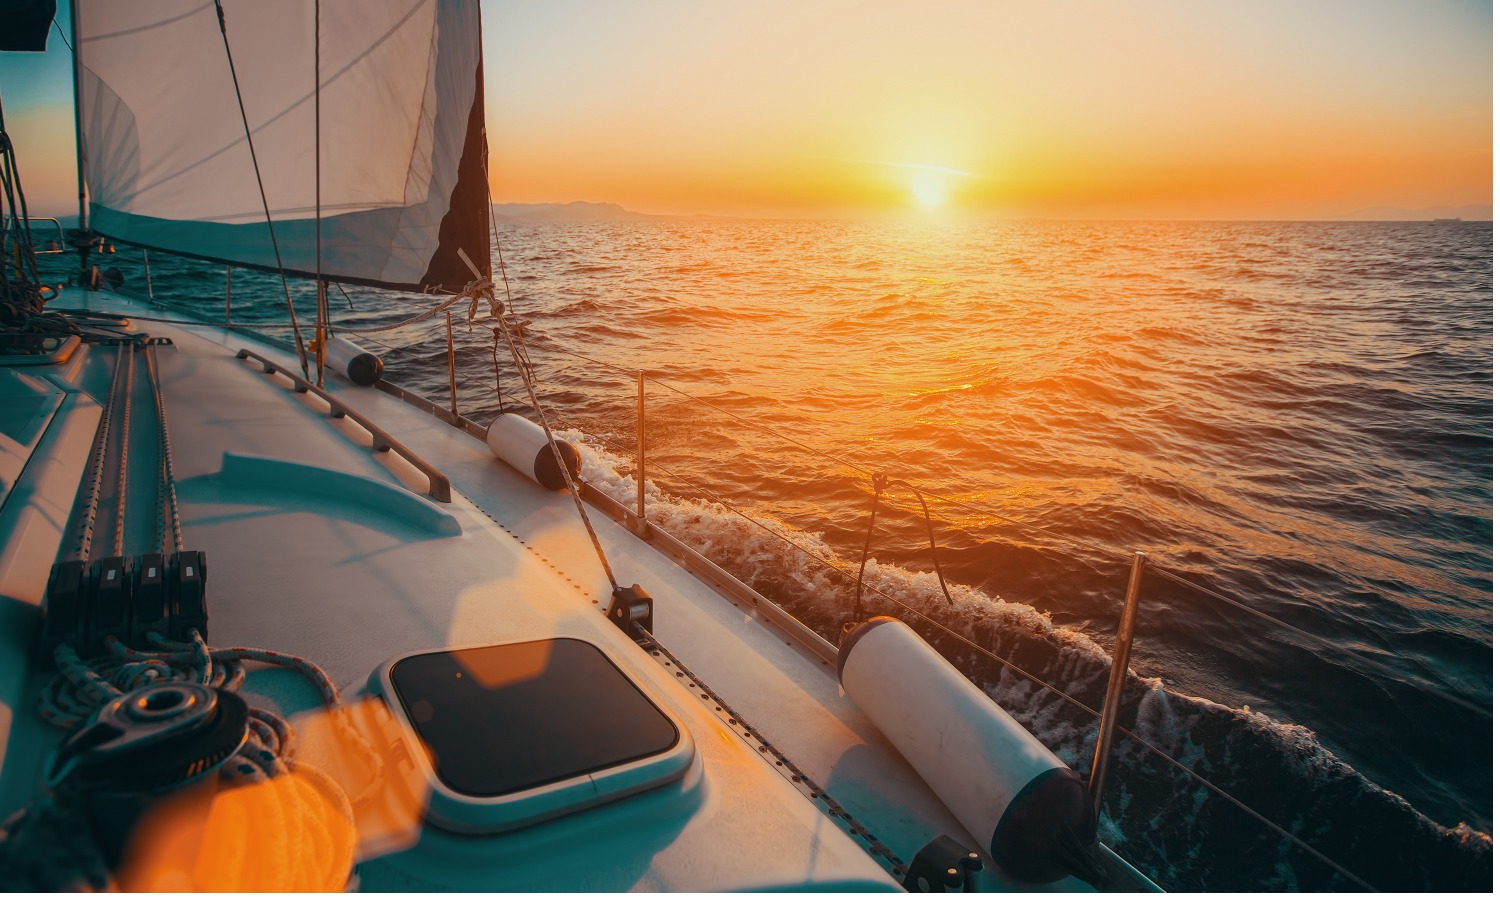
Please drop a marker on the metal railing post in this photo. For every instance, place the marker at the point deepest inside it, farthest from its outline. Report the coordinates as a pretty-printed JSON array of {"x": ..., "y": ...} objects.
[
  {"x": 452, "y": 378},
  {"x": 640, "y": 446},
  {"x": 146, "y": 257},
  {"x": 1099, "y": 771}
]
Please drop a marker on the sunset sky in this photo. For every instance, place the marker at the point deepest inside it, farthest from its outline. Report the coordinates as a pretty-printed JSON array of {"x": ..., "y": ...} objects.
[{"x": 1139, "y": 109}]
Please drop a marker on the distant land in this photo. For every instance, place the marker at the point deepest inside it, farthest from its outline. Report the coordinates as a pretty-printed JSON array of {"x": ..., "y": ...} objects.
[
  {"x": 1474, "y": 212},
  {"x": 584, "y": 211},
  {"x": 577, "y": 211}
]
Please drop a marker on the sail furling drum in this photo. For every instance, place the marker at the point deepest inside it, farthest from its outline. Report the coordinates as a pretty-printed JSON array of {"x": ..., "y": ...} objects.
[
  {"x": 1033, "y": 812},
  {"x": 368, "y": 140}
]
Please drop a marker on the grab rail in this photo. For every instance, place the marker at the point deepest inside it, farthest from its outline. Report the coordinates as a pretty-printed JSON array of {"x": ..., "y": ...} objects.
[
  {"x": 438, "y": 486},
  {"x": 57, "y": 246}
]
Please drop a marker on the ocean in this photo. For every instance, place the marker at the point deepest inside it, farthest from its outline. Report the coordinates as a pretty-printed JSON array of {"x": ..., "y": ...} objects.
[{"x": 1293, "y": 421}]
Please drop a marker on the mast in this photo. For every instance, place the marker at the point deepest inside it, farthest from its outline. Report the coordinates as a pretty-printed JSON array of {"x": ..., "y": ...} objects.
[{"x": 83, "y": 205}]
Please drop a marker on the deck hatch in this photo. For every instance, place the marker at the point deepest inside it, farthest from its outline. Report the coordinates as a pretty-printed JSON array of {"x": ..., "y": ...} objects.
[
  {"x": 501, "y": 719},
  {"x": 512, "y": 734}
]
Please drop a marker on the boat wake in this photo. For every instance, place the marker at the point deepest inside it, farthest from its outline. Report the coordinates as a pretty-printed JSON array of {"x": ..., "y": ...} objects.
[{"x": 1194, "y": 785}]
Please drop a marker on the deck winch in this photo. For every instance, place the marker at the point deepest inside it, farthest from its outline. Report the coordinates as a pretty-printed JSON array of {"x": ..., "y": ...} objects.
[
  {"x": 1001, "y": 783},
  {"x": 523, "y": 444}
]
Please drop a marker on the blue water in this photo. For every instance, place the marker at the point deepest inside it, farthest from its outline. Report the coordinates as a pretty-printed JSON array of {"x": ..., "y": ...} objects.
[{"x": 1298, "y": 416}]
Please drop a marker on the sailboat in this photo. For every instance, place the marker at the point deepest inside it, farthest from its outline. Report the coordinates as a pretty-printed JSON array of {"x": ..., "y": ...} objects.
[
  {"x": 291, "y": 631},
  {"x": 277, "y": 623}
]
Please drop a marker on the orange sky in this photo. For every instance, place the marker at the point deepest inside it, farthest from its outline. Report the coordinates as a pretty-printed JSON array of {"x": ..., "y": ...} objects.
[
  {"x": 1155, "y": 109},
  {"x": 1074, "y": 108}
]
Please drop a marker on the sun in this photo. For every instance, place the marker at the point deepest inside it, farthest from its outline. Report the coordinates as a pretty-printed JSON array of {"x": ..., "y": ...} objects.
[{"x": 929, "y": 190}]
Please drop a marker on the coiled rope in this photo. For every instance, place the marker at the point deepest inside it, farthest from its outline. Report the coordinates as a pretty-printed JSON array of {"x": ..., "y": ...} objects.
[{"x": 284, "y": 825}]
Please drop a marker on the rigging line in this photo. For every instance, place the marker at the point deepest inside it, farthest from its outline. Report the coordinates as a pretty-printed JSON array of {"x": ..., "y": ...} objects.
[
  {"x": 260, "y": 183},
  {"x": 484, "y": 284},
  {"x": 525, "y": 369},
  {"x": 201, "y": 323},
  {"x": 1377, "y": 665},
  {"x": 66, "y": 43},
  {"x": 419, "y": 317},
  {"x": 16, "y": 197},
  {"x": 322, "y": 331},
  {"x": 561, "y": 465},
  {"x": 931, "y": 539},
  {"x": 878, "y": 481}
]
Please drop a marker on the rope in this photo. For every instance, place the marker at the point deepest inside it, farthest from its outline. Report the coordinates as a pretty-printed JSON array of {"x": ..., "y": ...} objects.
[
  {"x": 562, "y": 466},
  {"x": 259, "y": 183},
  {"x": 470, "y": 293},
  {"x": 931, "y": 539},
  {"x": 285, "y": 821},
  {"x": 878, "y": 481},
  {"x": 25, "y": 292},
  {"x": 482, "y": 288},
  {"x": 203, "y": 323},
  {"x": 322, "y": 329}
]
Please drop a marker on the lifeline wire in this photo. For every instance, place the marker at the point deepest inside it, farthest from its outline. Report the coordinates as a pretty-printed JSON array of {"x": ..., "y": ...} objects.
[
  {"x": 1055, "y": 691},
  {"x": 1064, "y": 539}
]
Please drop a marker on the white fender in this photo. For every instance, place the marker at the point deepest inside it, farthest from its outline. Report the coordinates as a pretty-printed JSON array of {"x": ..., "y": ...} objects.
[
  {"x": 523, "y": 444},
  {"x": 353, "y": 361},
  {"x": 999, "y": 781}
]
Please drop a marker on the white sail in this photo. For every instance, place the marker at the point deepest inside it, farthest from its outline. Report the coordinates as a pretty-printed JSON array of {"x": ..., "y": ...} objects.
[{"x": 398, "y": 113}]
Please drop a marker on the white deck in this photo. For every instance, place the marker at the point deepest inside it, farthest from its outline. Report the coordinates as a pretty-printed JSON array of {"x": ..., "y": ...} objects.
[{"x": 351, "y": 584}]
